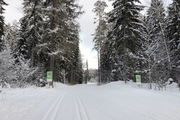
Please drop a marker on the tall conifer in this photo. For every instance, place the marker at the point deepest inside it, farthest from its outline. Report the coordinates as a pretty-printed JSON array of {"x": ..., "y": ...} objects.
[
  {"x": 2, "y": 3},
  {"x": 126, "y": 29},
  {"x": 173, "y": 34}
]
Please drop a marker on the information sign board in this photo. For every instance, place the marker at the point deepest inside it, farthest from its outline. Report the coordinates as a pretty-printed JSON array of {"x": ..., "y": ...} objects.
[
  {"x": 49, "y": 76},
  {"x": 138, "y": 79}
]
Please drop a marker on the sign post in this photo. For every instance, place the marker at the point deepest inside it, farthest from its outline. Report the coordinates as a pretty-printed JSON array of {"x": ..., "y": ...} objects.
[
  {"x": 49, "y": 77},
  {"x": 138, "y": 79}
]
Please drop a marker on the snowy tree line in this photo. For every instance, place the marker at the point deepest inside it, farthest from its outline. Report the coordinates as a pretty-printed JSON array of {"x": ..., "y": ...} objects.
[
  {"x": 129, "y": 43},
  {"x": 45, "y": 39}
]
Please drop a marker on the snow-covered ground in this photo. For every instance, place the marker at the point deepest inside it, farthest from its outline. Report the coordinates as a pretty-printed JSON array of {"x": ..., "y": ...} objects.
[{"x": 114, "y": 101}]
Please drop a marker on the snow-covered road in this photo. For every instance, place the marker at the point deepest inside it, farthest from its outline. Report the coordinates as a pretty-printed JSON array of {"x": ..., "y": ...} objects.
[{"x": 115, "y": 101}]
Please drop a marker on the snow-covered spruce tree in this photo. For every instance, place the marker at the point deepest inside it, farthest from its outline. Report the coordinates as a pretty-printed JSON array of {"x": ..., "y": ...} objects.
[
  {"x": 11, "y": 35},
  {"x": 173, "y": 34},
  {"x": 68, "y": 67},
  {"x": 86, "y": 73},
  {"x": 22, "y": 47},
  {"x": 126, "y": 30},
  {"x": 23, "y": 72},
  {"x": 76, "y": 71},
  {"x": 34, "y": 19},
  {"x": 157, "y": 51},
  {"x": 21, "y": 55},
  {"x": 110, "y": 72},
  {"x": 106, "y": 61},
  {"x": 100, "y": 33},
  {"x": 138, "y": 62},
  {"x": 61, "y": 30},
  {"x": 73, "y": 64},
  {"x": 2, "y": 3},
  {"x": 77, "y": 65},
  {"x": 30, "y": 40},
  {"x": 80, "y": 68},
  {"x": 7, "y": 67},
  {"x": 111, "y": 61},
  {"x": 12, "y": 73}
]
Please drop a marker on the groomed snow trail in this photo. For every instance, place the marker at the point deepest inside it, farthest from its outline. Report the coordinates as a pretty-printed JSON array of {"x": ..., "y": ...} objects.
[
  {"x": 114, "y": 101},
  {"x": 53, "y": 110}
]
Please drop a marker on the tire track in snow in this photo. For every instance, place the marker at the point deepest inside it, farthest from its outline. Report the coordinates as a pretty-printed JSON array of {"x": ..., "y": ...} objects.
[
  {"x": 52, "y": 112},
  {"x": 79, "y": 104}
]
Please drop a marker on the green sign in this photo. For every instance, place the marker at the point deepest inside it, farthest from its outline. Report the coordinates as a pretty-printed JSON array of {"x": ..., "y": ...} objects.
[
  {"x": 49, "y": 76},
  {"x": 138, "y": 79}
]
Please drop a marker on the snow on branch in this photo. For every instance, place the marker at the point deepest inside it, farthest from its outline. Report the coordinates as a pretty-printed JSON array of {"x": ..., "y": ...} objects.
[
  {"x": 53, "y": 31},
  {"x": 55, "y": 53}
]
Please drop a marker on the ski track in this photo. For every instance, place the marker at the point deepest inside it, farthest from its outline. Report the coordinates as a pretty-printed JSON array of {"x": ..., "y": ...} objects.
[
  {"x": 133, "y": 107},
  {"x": 89, "y": 102},
  {"x": 52, "y": 112},
  {"x": 81, "y": 111},
  {"x": 77, "y": 108}
]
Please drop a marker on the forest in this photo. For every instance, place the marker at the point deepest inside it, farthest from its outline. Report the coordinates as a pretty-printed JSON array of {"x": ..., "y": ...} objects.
[
  {"x": 45, "y": 39},
  {"x": 128, "y": 43}
]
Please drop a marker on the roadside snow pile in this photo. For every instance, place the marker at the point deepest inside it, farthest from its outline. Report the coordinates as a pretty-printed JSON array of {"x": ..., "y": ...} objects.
[{"x": 170, "y": 86}]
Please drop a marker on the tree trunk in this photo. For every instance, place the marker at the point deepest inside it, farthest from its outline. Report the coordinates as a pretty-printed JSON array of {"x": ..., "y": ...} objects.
[
  {"x": 99, "y": 48},
  {"x": 72, "y": 81},
  {"x": 150, "y": 81},
  {"x": 168, "y": 55},
  {"x": 98, "y": 67},
  {"x": 53, "y": 26},
  {"x": 64, "y": 76},
  {"x": 33, "y": 41},
  {"x": 125, "y": 59},
  {"x": 32, "y": 54},
  {"x": 125, "y": 64}
]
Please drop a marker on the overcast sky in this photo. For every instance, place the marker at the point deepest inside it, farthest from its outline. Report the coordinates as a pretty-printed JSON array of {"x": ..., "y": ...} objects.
[{"x": 14, "y": 12}]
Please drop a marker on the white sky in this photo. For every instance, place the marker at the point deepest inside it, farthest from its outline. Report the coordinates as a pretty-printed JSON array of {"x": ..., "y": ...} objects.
[{"x": 14, "y": 12}]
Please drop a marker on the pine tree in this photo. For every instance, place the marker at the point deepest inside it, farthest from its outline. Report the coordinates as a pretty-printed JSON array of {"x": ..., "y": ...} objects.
[
  {"x": 126, "y": 30},
  {"x": 173, "y": 34},
  {"x": 2, "y": 3},
  {"x": 100, "y": 32}
]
